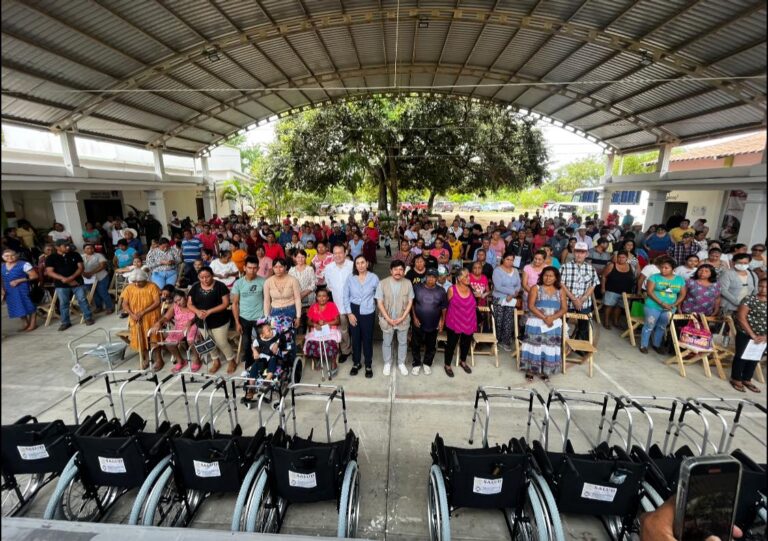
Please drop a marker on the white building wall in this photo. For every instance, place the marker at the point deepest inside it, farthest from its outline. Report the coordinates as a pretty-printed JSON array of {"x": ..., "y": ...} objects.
[
  {"x": 182, "y": 202},
  {"x": 701, "y": 204}
]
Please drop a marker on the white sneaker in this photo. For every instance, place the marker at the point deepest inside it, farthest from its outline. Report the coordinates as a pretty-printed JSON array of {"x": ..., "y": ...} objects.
[
  {"x": 415, "y": 370},
  {"x": 387, "y": 369},
  {"x": 403, "y": 369},
  {"x": 427, "y": 370}
]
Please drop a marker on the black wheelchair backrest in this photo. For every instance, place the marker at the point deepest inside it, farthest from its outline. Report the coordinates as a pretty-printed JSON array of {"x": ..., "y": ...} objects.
[{"x": 486, "y": 478}]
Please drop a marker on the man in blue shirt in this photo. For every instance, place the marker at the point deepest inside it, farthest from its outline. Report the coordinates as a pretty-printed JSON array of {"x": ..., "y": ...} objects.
[
  {"x": 191, "y": 247},
  {"x": 285, "y": 235}
]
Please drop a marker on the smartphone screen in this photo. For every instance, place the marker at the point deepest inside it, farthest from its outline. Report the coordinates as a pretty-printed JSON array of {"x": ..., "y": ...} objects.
[{"x": 711, "y": 499}]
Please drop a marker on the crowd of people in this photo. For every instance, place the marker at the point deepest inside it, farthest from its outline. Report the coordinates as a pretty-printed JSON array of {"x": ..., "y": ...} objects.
[{"x": 213, "y": 276}]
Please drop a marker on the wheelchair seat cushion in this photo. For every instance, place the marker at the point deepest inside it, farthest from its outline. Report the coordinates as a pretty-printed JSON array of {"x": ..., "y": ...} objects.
[
  {"x": 488, "y": 480},
  {"x": 214, "y": 465},
  {"x": 26, "y": 450}
]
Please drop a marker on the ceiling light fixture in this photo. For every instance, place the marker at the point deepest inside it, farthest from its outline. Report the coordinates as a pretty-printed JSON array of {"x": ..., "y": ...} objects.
[
  {"x": 646, "y": 59},
  {"x": 423, "y": 23},
  {"x": 213, "y": 55}
]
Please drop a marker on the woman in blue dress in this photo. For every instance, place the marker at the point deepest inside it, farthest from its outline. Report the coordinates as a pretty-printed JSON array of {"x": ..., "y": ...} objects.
[{"x": 17, "y": 276}]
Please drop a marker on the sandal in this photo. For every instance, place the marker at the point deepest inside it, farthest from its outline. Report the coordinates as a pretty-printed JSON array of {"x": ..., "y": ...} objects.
[
  {"x": 196, "y": 367},
  {"x": 751, "y": 386},
  {"x": 737, "y": 385},
  {"x": 529, "y": 378},
  {"x": 544, "y": 377}
]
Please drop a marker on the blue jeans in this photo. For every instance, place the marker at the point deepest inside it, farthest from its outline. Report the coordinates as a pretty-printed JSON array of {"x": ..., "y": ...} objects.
[
  {"x": 101, "y": 297},
  {"x": 163, "y": 278},
  {"x": 65, "y": 297},
  {"x": 656, "y": 323}
]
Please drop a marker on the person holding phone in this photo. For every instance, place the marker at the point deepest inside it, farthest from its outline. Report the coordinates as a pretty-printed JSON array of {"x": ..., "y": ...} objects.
[
  {"x": 658, "y": 525},
  {"x": 750, "y": 325}
]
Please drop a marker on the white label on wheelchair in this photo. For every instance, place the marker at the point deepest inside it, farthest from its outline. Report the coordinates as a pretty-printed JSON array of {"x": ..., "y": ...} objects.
[
  {"x": 207, "y": 469},
  {"x": 302, "y": 480},
  {"x": 32, "y": 452},
  {"x": 111, "y": 465},
  {"x": 487, "y": 486},
  {"x": 598, "y": 492}
]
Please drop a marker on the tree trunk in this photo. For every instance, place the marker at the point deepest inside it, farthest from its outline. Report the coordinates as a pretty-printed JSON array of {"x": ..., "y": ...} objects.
[
  {"x": 382, "y": 192},
  {"x": 393, "y": 183},
  {"x": 431, "y": 201}
]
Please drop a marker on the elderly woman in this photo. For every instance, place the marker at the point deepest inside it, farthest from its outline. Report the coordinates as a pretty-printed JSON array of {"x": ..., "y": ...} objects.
[
  {"x": 750, "y": 326},
  {"x": 282, "y": 293},
  {"x": 17, "y": 275},
  {"x": 141, "y": 301},
  {"x": 321, "y": 314},
  {"x": 163, "y": 263},
  {"x": 460, "y": 322}
]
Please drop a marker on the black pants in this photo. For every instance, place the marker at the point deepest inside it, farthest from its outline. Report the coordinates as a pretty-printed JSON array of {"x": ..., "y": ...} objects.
[
  {"x": 189, "y": 272},
  {"x": 362, "y": 336},
  {"x": 742, "y": 370},
  {"x": 464, "y": 341},
  {"x": 582, "y": 325},
  {"x": 429, "y": 340},
  {"x": 388, "y": 251},
  {"x": 247, "y": 350}
]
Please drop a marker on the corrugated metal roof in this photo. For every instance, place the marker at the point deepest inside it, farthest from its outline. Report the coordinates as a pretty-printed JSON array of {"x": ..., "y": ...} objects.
[{"x": 191, "y": 73}]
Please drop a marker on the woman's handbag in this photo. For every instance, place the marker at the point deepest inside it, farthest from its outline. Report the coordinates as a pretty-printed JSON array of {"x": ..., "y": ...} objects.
[
  {"x": 203, "y": 346},
  {"x": 694, "y": 336},
  {"x": 637, "y": 310}
]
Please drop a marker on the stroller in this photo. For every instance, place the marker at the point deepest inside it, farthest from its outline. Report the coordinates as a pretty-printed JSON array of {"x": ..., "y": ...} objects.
[{"x": 289, "y": 369}]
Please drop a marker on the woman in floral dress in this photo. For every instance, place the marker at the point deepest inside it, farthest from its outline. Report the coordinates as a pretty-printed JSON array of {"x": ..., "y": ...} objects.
[{"x": 542, "y": 345}]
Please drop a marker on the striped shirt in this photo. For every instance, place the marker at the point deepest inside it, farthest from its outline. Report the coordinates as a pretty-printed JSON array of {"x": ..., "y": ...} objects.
[{"x": 190, "y": 249}]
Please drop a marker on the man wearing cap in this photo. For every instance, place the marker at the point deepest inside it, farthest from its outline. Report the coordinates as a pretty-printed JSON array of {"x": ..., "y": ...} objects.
[
  {"x": 442, "y": 277},
  {"x": 394, "y": 297},
  {"x": 580, "y": 280},
  {"x": 681, "y": 250},
  {"x": 430, "y": 302},
  {"x": 66, "y": 268},
  {"x": 582, "y": 236}
]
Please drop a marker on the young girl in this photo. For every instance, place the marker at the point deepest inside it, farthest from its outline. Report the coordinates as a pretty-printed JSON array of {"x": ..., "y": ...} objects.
[
  {"x": 184, "y": 330},
  {"x": 388, "y": 244}
]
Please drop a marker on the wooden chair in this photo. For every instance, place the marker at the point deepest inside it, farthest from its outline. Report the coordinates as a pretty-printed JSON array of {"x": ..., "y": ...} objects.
[
  {"x": 726, "y": 353},
  {"x": 596, "y": 306},
  {"x": 633, "y": 323},
  {"x": 485, "y": 338},
  {"x": 49, "y": 309},
  {"x": 572, "y": 345},
  {"x": 699, "y": 355},
  {"x": 518, "y": 343}
]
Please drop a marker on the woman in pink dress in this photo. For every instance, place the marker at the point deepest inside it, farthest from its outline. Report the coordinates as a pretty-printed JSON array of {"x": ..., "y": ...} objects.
[
  {"x": 184, "y": 332},
  {"x": 460, "y": 321}
]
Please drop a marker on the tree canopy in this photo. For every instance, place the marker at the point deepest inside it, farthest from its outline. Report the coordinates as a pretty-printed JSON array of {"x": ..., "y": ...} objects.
[{"x": 437, "y": 144}]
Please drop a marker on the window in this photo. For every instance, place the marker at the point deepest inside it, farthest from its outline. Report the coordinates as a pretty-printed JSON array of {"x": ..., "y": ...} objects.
[{"x": 625, "y": 197}]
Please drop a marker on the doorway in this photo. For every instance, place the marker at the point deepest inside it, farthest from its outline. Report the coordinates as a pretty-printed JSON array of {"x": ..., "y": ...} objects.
[
  {"x": 200, "y": 208},
  {"x": 670, "y": 208},
  {"x": 97, "y": 210}
]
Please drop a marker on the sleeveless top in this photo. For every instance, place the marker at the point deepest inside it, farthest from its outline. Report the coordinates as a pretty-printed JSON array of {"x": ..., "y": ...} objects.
[
  {"x": 620, "y": 282},
  {"x": 461, "y": 316}
]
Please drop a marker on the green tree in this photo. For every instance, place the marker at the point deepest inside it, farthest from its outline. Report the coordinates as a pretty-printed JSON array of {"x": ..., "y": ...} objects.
[
  {"x": 239, "y": 191},
  {"x": 431, "y": 144},
  {"x": 579, "y": 173},
  {"x": 635, "y": 164}
]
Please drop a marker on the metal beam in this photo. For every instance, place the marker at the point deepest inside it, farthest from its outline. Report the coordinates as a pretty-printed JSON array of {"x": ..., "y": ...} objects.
[
  {"x": 477, "y": 40},
  {"x": 445, "y": 42}
]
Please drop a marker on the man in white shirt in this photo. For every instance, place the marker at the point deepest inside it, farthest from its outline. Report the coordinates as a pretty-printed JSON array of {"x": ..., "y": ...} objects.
[
  {"x": 455, "y": 229},
  {"x": 336, "y": 275},
  {"x": 412, "y": 233},
  {"x": 581, "y": 236}
]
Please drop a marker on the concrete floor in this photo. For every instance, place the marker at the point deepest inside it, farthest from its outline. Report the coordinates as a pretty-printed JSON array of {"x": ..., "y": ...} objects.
[{"x": 396, "y": 419}]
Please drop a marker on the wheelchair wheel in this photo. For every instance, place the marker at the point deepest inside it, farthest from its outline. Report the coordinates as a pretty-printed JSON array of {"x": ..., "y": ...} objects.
[
  {"x": 165, "y": 506},
  {"x": 71, "y": 500},
  {"x": 26, "y": 485},
  {"x": 549, "y": 506},
  {"x": 238, "y": 517},
  {"x": 653, "y": 497},
  {"x": 298, "y": 368},
  {"x": 535, "y": 525},
  {"x": 349, "y": 506},
  {"x": 437, "y": 506},
  {"x": 139, "y": 504},
  {"x": 261, "y": 511}
]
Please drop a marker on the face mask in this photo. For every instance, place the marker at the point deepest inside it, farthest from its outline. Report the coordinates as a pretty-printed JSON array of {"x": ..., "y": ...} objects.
[{"x": 741, "y": 267}]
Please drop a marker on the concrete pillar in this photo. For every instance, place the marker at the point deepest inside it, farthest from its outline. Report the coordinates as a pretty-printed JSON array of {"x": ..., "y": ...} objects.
[
  {"x": 656, "y": 201},
  {"x": 209, "y": 202},
  {"x": 604, "y": 203},
  {"x": 9, "y": 208},
  {"x": 609, "y": 159},
  {"x": 157, "y": 157},
  {"x": 67, "y": 212},
  {"x": 753, "y": 229},
  {"x": 621, "y": 165},
  {"x": 665, "y": 152},
  {"x": 69, "y": 151},
  {"x": 204, "y": 165},
  {"x": 156, "y": 203}
]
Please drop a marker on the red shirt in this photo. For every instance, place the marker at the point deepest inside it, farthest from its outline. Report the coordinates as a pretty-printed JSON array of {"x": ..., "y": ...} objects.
[
  {"x": 274, "y": 251},
  {"x": 329, "y": 313},
  {"x": 209, "y": 240},
  {"x": 252, "y": 244}
]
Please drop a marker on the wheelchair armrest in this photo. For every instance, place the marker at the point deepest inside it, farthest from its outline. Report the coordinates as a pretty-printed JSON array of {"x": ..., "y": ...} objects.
[
  {"x": 439, "y": 456},
  {"x": 257, "y": 445},
  {"x": 684, "y": 452},
  {"x": 190, "y": 431},
  {"x": 26, "y": 419},
  {"x": 654, "y": 473},
  {"x": 172, "y": 432},
  {"x": 739, "y": 455},
  {"x": 351, "y": 443},
  {"x": 91, "y": 423},
  {"x": 621, "y": 454},
  {"x": 57, "y": 424},
  {"x": 542, "y": 459}
]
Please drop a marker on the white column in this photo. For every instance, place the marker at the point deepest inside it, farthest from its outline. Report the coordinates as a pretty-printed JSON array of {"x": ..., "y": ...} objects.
[
  {"x": 157, "y": 157},
  {"x": 9, "y": 208},
  {"x": 665, "y": 152},
  {"x": 604, "y": 202},
  {"x": 656, "y": 201},
  {"x": 66, "y": 211},
  {"x": 69, "y": 151},
  {"x": 209, "y": 202},
  {"x": 752, "y": 229},
  {"x": 621, "y": 165},
  {"x": 204, "y": 165},
  {"x": 156, "y": 203},
  {"x": 609, "y": 159}
]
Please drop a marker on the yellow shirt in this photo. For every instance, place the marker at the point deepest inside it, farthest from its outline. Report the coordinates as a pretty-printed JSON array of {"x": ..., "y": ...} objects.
[
  {"x": 455, "y": 249},
  {"x": 311, "y": 253},
  {"x": 676, "y": 234},
  {"x": 27, "y": 237}
]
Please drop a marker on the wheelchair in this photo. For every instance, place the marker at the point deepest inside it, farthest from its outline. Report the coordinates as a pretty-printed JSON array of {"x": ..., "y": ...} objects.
[
  {"x": 34, "y": 454},
  {"x": 301, "y": 470},
  {"x": 202, "y": 462},
  {"x": 111, "y": 460},
  {"x": 501, "y": 477}
]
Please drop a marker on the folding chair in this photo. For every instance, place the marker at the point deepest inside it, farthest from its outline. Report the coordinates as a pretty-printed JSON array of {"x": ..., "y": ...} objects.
[
  {"x": 518, "y": 343},
  {"x": 572, "y": 345},
  {"x": 725, "y": 353},
  {"x": 596, "y": 306},
  {"x": 681, "y": 350},
  {"x": 485, "y": 338},
  {"x": 49, "y": 309},
  {"x": 633, "y": 323}
]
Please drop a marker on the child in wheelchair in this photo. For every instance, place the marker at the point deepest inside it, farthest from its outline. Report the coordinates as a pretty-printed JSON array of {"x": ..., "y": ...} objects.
[
  {"x": 183, "y": 333},
  {"x": 274, "y": 350}
]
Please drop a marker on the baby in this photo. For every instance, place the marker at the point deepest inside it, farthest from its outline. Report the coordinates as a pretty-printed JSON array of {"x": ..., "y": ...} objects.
[{"x": 267, "y": 346}]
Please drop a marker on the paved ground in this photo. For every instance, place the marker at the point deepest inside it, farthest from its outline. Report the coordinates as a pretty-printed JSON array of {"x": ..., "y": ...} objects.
[{"x": 396, "y": 419}]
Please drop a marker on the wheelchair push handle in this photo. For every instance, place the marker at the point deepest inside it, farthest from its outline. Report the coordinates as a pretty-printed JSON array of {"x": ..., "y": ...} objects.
[{"x": 26, "y": 419}]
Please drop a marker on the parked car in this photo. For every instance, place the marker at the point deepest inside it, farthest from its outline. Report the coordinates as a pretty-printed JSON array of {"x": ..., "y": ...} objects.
[
  {"x": 442, "y": 206},
  {"x": 505, "y": 206}
]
